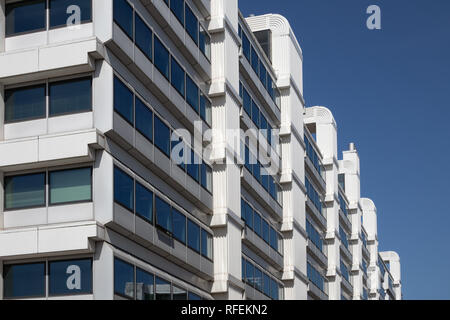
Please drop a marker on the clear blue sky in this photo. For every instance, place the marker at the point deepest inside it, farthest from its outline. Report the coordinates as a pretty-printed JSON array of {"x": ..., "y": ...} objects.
[{"x": 389, "y": 91}]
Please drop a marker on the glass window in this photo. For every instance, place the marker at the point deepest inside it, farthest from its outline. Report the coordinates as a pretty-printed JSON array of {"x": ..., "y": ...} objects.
[
  {"x": 249, "y": 215},
  {"x": 123, "y": 16},
  {"x": 25, "y": 191},
  {"x": 24, "y": 280},
  {"x": 145, "y": 285},
  {"x": 179, "y": 225},
  {"x": 258, "y": 279},
  {"x": 163, "y": 214},
  {"x": 123, "y": 279},
  {"x": 162, "y": 136},
  {"x": 274, "y": 289},
  {"x": 25, "y": 16},
  {"x": 263, "y": 74},
  {"x": 247, "y": 159},
  {"x": 70, "y": 96},
  {"x": 205, "y": 43},
  {"x": 206, "y": 244},
  {"x": 266, "y": 285},
  {"x": 144, "y": 37},
  {"x": 191, "y": 24},
  {"x": 192, "y": 93},
  {"x": 179, "y": 293},
  {"x": 265, "y": 231},
  {"x": 246, "y": 46},
  {"x": 257, "y": 223},
  {"x": 247, "y": 101},
  {"x": 163, "y": 290},
  {"x": 206, "y": 176},
  {"x": 255, "y": 61},
  {"x": 144, "y": 202},
  {"x": 123, "y": 100},
  {"x": 177, "y": 78},
  {"x": 205, "y": 109},
  {"x": 263, "y": 125},
  {"x": 70, "y": 277},
  {"x": 123, "y": 189},
  {"x": 194, "y": 297},
  {"x": 193, "y": 236},
  {"x": 257, "y": 171},
  {"x": 177, "y": 7},
  {"x": 161, "y": 58},
  {"x": 61, "y": 11},
  {"x": 255, "y": 113},
  {"x": 144, "y": 119},
  {"x": 178, "y": 152},
  {"x": 249, "y": 273},
  {"x": 273, "y": 239},
  {"x": 69, "y": 186},
  {"x": 193, "y": 167},
  {"x": 25, "y": 103}
]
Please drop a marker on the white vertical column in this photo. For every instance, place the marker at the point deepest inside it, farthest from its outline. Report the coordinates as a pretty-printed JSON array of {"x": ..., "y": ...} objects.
[
  {"x": 369, "y": 212},
  {"x": 103, "y": 270},
  {"x": 2, "y": 25}
]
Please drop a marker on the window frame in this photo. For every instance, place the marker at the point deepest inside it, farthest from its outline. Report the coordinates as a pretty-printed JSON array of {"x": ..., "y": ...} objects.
[
  {"x": 25, "y": 264},
  {"x": 48, "y": 273},
  {"x": 49, "y": 172},
  {"x": 31, "y": 86},
  {"x": 28, "y": 207},
  {"x": 34, "y": 30},
  {"x": 65, "y": 25}
]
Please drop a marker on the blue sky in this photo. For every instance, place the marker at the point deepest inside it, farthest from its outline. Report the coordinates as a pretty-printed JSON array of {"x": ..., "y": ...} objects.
[{"x": 389, "y": 92}]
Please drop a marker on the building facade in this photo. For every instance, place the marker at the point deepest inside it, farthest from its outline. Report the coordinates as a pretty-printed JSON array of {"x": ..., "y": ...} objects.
[{"x": 162, "y": 149}]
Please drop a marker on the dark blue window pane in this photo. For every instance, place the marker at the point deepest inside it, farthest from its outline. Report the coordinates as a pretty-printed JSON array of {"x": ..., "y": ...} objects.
[
  {"x": 193, "y": 236},
  {"x": 123, "y": 100},
  {"x": 263, "y": 125},
  {"x": 144, "y": 37},
  {"x": 257, "y": 224},
  {"x": 265, "y": 181},
  {"x": 123, "y": 16},
  {"x": 70, "y": 96},
  {"x": 177, "y": 7},
  {"x": 255, "y": 114},
  {"x": 25, "y": 280},
  {"x": 205, "y": 109},
  {"x": 123, "y": 279},
  {"x": 258, "y": 280},
  {"x": 273, "y": 239},
  {"x": 163, "y": 290},
  {"x": 191, "y": 24},
  {"x": 263, "y": 74},
  {"x": 25, "y": 16},
  {"x": 25, "y": 103},
  {"x": 161, "y": 58},
  {"x": 246, "y": 46},
  {"x": 70, "y": 277},
  {"x": 274, "y": 289},
  {"x": 193, "y": 167},
  {"x": 247, "y": 159},
  {"x": 247, "y": 101},
  {"x": 144, "y": 119},
  {"x": 145, "y": 285},
  {"x": 249, "y": 216},
  {"x": 192, "y": 93},
  {"x": 162, "y": 136},
  {"x": 257, "y": 171},
  {"x": 270, "y": 88},
  {"x": 178, "y": 148},
  {"x": 206, "y": 244},
  {"x": 265, "y": 231},
  {"x": 163, "y": 214},
  {"x": 144, "y": 202},
  {"x": 177, "y": 78},
  {"x": 205, "y": 43},
  {"x": 123, "y": 189},
  {"x": 194, "y": 297},
  {"x": 179, "y": 226},
  {"x": 206, "y": 177},
  {"x": 250, "y": 273},
  {"x": 255, "y": 61},
  {"x": 266, "y": 285},
  {"x": 25, "y": 191},
  {"x": 59, "y": 8}
]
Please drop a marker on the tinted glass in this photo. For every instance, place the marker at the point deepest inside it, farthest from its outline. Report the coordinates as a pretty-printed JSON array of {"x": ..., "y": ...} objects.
[
  {"x": 258, "y": 279},
  {"x": 249, "y": 273},
  {"x": 192, "y": 93},
  {"x": 177, "y": 7},
  {"x": 163, "y": 214},
  {"x": 265, "y": 231},
  {"x": 266, "y": 288},
  {"x": 247, "y": 100},
  {"x": 193, "y": 236},
  {"x": 123, "y": 100},
  {"x": 257, "y": 224},
  {"x": 273, "y": 239},
  {"x": 25, "y": 16},
  {"x": 255, "y": 113},
  {"x": 70, "y": 186},
  {"x": 62, "y": 10},
  {"x": 143, "y": 36},
  {"x": 123, "y": 278},
  {"x": 206, "y": 244},
  {"x": 191, "y": 24},
  {"x": 70, "y": 96},
  {"x": 179, "y": 294},
  {"x": 161, "y": 58},
  {"x": 144, "y": 119},
  {"x": 255, "y": 61},
  {"x": 178, "y": 152},
  {"x": 25, "y": 191},
  {"x": 145, "y": 285},
  {"x": 70, "y": 277},
  {"x": 162, "y": 136},
  {"x": 263, "y": 74},
  {"x": 205, "y": 109},
  {"x": 26, "y": 280},
  {"x": 144, "y": 202},
  {"x": 249, "y": 215},
  {"x": 205, "y": 43},
  {"x": 179, "y": 226},
  {"x": 162, "y": 289},
  {"x": 193, "y": 167},
  {"x": 177, "y": 77},
  {"x": 193, "y": 296},
  {"x": 274, "y": 289},
  {"x": 25, "y": 103},
  {"x": 246, "y": 46},
  {"x": 123, "y": 16},
  {"x": 123, "y": 189},
  {"x": 206, "y": 177}
]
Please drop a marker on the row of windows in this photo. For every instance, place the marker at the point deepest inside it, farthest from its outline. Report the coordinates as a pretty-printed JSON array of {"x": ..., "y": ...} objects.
[
  {"x": 343, "y": 205},
  {"x": 137, "y": 112},
  {"x": 315, "y": 277},
  {"x": 64, "y": 97},
  {"x": 255, "y": 113},
  {"x": 65, "y": 186},
  {"x": 314, "y": 235},
  {"x": 261, "y": 175},
  {"x": 261, "y": 281},
  {"x": 31, "y": 15},
  {"x": 258, "y": 66},
  {"x": 134, "y": 283},
  {"x": 193, "y": 27},
  {"x": 313, "y": 195},
  {"x": 138, "y": 199},
  {"x": 261, "y": 227},
  {"x": 59, "y": 278},
  {"x": 312, "y": 155},
  {"x": 343, "y": 236},
  {"x": 344, "y": 271},
  {"x": 166, "y": 63},
  {"x": 364, "y": 239}
]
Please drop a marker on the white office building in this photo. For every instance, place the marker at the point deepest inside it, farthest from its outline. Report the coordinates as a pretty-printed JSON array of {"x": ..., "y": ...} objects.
[{"x": 162, "y": 149}]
